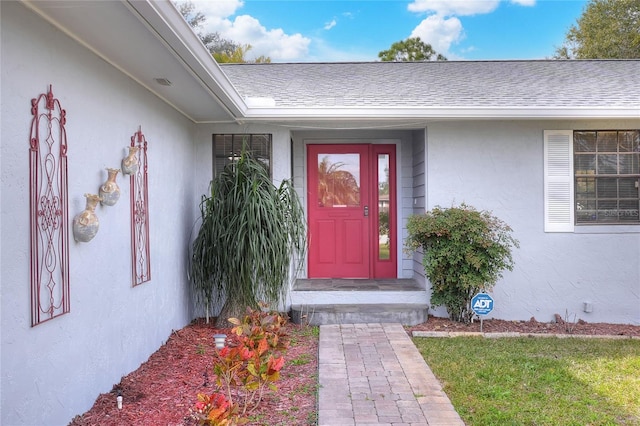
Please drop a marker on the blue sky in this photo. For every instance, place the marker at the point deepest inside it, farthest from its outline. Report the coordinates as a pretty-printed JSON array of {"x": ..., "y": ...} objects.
[{"x": 356, "y": 30}]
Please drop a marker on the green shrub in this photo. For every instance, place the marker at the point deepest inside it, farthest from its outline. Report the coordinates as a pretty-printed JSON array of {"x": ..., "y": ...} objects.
[{"x": 465, "y": 252}]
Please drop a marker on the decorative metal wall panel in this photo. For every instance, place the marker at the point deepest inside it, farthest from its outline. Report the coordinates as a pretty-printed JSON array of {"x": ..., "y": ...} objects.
[
  {"x": 140, "y": 251},
  {"x": 48, "y": 210}
]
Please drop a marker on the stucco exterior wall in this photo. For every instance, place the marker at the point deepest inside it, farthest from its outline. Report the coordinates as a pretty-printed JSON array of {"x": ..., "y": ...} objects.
[
  {"x": 498, "y": 166},
  {"x": 281, "y": 140},
  {"x": 54, "y": 371}
]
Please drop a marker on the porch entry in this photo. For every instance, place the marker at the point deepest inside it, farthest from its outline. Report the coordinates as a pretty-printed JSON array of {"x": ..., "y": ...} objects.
[{"x": 352, "y": 211}]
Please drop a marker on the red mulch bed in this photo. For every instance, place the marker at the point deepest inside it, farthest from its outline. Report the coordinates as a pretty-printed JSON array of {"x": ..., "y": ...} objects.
[
  {"x": 164, "y": 388},
  {"x": 559, "y": 326}
]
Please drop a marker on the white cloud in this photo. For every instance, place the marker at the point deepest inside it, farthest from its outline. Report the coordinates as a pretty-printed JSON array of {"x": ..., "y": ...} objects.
[
  {"x": 330, "y": 25},
  {"x": 244, "y": 29},
  {"x": 442, "y": 28},
  {"x": 217, "y": 9},
  {"x": 454, "y": 7},
  {"x": 274, "y": 43},
  {"x": 325, "y": 52},
  {"x": 439, "y": 32},
  {"x": 524, "y": 2},
  {"x": 461, "y": 7}
]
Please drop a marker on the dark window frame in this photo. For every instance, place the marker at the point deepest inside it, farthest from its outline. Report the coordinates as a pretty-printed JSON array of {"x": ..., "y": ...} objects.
[
  {"x": 606, "y": 177},
  {"x": 228, "y": 146}
]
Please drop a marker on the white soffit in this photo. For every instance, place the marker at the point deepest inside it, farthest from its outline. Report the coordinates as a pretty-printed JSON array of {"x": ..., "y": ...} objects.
[{"x": 136, "y": 39}]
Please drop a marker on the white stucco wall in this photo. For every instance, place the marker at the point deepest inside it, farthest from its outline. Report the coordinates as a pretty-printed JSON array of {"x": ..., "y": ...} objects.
[
  {"x": 54, "y": 371},
  {"x": 498, "y": 166},
  {"x": 281, "y": 140}
]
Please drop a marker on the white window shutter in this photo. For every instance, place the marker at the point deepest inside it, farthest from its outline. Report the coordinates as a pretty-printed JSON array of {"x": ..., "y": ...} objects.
[{"x": 558, "y": 181}]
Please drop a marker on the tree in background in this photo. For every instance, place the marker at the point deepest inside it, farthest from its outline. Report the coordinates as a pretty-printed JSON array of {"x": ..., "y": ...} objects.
[
  {"x": 238, "y": 56},
  {"x": 336, "y": 186},
  {"x": 607, "y": 29},
  {"x": 222, "y": 49},
  {"x": 411, "y": 49},
  {"x": 213, "y": 41}
]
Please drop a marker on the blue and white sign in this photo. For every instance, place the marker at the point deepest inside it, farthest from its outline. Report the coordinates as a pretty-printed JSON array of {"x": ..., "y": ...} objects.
[{"x": 482, "y": 304}]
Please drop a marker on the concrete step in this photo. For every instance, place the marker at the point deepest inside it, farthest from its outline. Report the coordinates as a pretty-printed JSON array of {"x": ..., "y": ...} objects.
[
  {"x": 404, "y": 313},
  {"x": 361, "y": 297}
]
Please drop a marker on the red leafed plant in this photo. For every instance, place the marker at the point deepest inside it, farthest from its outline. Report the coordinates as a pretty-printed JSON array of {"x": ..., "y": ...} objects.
[
  {"x": 215, "y": 410},
  {"x": 245, "y": 369}
]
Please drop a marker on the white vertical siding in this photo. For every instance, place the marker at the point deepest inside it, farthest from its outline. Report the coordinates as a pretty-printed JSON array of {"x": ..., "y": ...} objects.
[
  {"x": 419, "y": 172},
  {"x": 405, "y": 202}
]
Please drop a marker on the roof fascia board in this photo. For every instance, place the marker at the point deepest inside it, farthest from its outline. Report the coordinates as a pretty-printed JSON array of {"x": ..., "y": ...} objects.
[
  {"x": 441, "y": 113},
  {"x": 167, "y": 22}
]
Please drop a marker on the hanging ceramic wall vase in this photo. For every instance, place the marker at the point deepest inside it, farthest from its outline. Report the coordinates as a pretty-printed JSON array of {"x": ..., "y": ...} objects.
[
  {"x": 86, "y": 224},
  {"x": 109, "y": 191},
  {"x": 130, "y": 162}
]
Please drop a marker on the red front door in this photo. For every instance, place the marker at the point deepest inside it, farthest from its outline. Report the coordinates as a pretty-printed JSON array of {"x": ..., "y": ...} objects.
[{"x": 349, "y": 211}]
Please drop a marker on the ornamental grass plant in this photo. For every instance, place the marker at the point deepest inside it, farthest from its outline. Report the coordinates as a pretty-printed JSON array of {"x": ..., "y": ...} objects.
[{"x": 251, "y": 239}]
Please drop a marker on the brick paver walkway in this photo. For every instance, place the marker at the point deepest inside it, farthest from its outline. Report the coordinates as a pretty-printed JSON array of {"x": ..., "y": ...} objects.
[{"x": 372, "y": 374}]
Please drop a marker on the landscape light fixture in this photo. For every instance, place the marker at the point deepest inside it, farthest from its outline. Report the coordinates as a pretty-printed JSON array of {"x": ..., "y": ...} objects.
[{"x": 220, "y": 340}]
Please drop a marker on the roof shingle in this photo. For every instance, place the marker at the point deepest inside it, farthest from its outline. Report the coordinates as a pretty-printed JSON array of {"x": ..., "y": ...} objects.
[{"x": 498, "y": 84}]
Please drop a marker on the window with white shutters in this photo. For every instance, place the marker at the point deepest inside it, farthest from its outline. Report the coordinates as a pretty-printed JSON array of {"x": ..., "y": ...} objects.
[
  {"x": 591, "y": 178},
  {"x": 558, "y": 181}
]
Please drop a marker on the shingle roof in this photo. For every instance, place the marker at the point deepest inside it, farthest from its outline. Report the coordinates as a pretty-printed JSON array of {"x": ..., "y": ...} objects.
[{"x": 485, "y": 84}]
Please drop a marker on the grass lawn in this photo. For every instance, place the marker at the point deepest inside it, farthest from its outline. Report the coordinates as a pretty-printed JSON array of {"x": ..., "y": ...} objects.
[{"x": 538, "y": 381}]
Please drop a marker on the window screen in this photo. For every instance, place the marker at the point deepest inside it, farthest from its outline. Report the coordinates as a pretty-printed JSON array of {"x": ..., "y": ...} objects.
[
  {"x": 607, "y": 176},
  {"x": 228, "y": 148}
]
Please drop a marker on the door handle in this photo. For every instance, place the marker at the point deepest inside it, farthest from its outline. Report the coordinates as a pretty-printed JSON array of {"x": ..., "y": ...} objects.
[{"x": 366, "y": 211}]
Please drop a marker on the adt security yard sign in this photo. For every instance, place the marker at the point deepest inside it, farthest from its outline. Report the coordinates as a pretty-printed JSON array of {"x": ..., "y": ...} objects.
[{"x": 482, "y": 304}]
